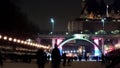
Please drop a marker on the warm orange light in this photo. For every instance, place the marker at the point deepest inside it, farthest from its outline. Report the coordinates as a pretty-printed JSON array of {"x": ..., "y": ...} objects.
[
  {"x": 25, "y": 42},
  {"x": 5, "y": 37},
  {"x": 0, "y": 36},
  {"x": 14, "y": 40},
  {"x": 10, "y": 39},
  {"x": 18, "y": 41},
  {"x": 22, "y": 42}
]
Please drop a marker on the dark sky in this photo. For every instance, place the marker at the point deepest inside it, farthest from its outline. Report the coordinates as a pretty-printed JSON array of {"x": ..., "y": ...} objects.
[
  {"x": 40, "y": 12},
  {"x": 29, "y": 13}
]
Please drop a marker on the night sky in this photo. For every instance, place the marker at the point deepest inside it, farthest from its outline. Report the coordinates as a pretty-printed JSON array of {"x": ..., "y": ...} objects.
[{"x": 38, "y": 12}]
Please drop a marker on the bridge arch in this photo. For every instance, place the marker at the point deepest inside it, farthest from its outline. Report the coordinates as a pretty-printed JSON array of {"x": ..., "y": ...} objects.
[{"x": 79, "y": 37}]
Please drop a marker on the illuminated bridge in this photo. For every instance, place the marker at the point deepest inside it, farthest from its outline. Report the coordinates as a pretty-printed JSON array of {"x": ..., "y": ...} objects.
[
  {"x": 68, "y": 43},
  {"x": 72, "y": 43}
]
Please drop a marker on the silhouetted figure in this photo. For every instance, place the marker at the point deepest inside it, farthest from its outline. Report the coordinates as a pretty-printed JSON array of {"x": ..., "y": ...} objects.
[
  {"x": 96, "y": 58},
  {"x": 41, "y": 58},
  {"x": 69, "y": 61},
  {"x": 113, "y": 59},
  {"x": 79, "y": 57},
  {"x": 114, "y": 62},
  {"x": 56, "y": 58},
  {"x": 85, "y": 56},
  {"x": 103, "y": 58},
  {"x": 64, "y": 59},
  {"x": 1, "y": 60}
]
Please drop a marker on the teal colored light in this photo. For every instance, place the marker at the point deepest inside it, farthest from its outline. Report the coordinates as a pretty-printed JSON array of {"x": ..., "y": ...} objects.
[
  {"x": 97, "y": 52},
  {"x": 52, "y": 20},
  {"x": 96, "y": 33},
  {"x": 102, "y": 20},
  {"x": 77, "y": 36}
]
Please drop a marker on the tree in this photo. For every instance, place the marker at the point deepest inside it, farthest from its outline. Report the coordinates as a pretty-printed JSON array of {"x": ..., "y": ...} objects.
[{"x": 12, "y": 20}]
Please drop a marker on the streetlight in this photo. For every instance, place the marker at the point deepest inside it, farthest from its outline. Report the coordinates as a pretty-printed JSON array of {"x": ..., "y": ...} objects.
[
  {"x": 107, "y": 14},
  {"x": 103, "y": 22},
  {"x": 52, "y": 21}
]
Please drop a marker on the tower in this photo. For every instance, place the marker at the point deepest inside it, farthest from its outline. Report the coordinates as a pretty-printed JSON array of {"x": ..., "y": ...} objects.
[{"x": 83, "y": 13}]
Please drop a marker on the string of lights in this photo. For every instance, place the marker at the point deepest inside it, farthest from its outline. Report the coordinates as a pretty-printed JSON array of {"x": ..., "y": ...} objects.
[{"x": 19, "y": 41}]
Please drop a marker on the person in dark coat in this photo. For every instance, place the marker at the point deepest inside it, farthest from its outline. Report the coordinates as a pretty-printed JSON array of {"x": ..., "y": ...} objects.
[
  {"x": 56, "y": 58},
  {"x": 41, "y": 58},
  {"x": 80, "y": 57},
  {"x": 85, "y": 56},
  {"x": 64, "y": 59}
]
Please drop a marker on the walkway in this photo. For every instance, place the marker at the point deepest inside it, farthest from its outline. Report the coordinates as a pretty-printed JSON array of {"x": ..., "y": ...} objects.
[{"x": 83, "y": 64}]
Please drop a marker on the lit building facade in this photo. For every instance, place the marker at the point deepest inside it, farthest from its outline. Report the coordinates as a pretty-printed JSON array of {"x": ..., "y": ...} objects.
[
  {"x": 96, "y": 16},
  {"x": 87, "y": 25}
]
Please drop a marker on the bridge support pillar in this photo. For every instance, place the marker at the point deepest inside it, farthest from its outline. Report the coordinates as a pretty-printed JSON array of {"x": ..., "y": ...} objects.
[
  {"x": 53, "y": 42},
  {"x": 103, "y": 46}
]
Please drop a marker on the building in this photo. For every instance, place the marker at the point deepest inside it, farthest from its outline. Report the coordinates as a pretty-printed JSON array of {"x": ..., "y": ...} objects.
[
  {"x": 94, "y": 19},
  {"x": 88, "y": 25}
]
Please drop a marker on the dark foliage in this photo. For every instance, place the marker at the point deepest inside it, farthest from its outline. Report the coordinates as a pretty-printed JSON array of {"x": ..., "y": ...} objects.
[{"x": 12, "y": 20}]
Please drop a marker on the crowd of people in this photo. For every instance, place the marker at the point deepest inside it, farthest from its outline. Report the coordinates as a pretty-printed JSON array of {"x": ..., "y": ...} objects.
[
  {"x": 42, "y": 58},
  {"x": 111, "y": 59}
]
